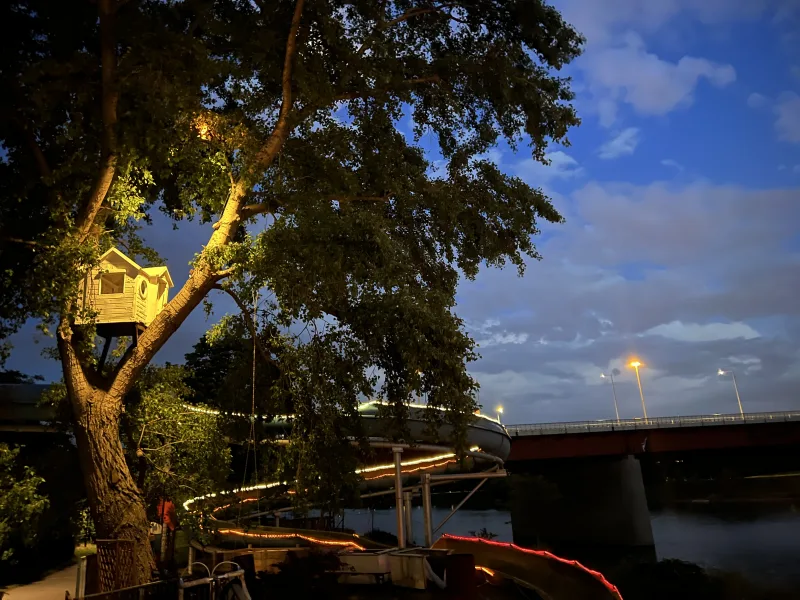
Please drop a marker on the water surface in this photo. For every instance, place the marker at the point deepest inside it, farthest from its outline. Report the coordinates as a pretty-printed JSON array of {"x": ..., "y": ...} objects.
[{"x": 765, "y": 548}]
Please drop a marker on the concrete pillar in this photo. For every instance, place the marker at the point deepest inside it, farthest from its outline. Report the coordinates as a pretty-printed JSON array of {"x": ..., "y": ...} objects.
[{"x": 581, "y": 504}]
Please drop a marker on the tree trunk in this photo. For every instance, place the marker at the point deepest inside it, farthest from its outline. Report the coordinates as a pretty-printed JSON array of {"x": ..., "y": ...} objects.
[{"x": 116, "y": 505}]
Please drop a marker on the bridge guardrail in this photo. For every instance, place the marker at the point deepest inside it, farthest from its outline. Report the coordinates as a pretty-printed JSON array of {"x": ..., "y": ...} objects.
[{"x": 654, "y": 423}]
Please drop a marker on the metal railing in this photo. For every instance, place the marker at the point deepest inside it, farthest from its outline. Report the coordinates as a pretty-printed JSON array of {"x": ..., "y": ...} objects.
[{"x": 652, "y": 423}]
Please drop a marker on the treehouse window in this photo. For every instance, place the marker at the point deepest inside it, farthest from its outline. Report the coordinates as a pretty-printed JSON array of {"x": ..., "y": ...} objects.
[
  {"x": 143, "y": 289},
  {"x": 112, "y": 283}
]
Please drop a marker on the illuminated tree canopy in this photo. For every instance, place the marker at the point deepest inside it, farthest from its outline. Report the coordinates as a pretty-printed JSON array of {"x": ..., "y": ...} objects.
[{"x": 278, "y": 124}]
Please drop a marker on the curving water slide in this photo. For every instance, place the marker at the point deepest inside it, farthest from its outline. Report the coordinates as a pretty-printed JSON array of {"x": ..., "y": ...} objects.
[{"x": 423, "y": 462}]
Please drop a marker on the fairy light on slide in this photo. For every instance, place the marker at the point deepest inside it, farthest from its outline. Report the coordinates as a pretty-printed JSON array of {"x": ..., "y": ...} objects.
[
  {"x": 406, "y": 472},
  {"x": 412, "y": 463},
  {"x": 249, "y": 488},
  {"x": 449, "y": 457},
  {"x": 283, "y": 536},
  {"x": 363, "y": 405},
  {"x": 543, "y": 553}
]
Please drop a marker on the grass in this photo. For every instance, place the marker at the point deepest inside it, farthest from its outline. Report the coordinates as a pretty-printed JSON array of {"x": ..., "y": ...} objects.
[{"x": 85, "y": 550}]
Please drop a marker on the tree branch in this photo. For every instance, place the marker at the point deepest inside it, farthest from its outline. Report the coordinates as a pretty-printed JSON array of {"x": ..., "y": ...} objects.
[
  {"x": 110, "y": 97},
  {"x": 33, "y": 146},
  {"x": 267, "y": 154},
  {"x": 272, "y": 206},
  {"x": 412, "y": 12},
  {"x": 250, "y": 323},
  {"x": 305, "y": 112},
  {"x": 203, "y": 277},
  {"x": 415, "y": 12},
  {"x": 74, "y": 376}
]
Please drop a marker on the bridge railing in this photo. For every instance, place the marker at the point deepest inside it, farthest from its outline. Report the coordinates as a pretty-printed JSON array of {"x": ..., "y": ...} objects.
[{"x": 652, "y": 423}]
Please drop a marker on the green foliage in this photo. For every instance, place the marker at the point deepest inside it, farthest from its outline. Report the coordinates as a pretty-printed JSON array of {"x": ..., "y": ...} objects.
[
  {"x": 355, "y": 245},
  {"x": 85, "y": 526},
  {"x": 17, "y": 377},
  {"x": 177, "y": 453},
  {"x": 21, "y": 505}
]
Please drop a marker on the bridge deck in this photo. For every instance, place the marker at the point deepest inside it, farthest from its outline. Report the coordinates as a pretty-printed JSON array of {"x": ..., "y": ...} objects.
[{"x": 654, "y": 423}]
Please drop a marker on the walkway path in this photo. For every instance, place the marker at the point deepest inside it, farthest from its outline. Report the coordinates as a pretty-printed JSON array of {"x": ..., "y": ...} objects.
[{"x": 51, "y": 587}]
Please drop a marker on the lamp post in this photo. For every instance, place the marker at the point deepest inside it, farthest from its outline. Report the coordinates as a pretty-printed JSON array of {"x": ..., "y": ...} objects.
[
  {"x": 636, "y": 364},
  {"x": 613, "y": 389},
  {"x": 720, "y": 372},
  {"x": 499, "y": 412}
]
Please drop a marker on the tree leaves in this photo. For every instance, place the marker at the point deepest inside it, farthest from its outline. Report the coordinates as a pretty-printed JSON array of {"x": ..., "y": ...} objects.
[
  {"x": 335, "y": 217},
  {"x": 20, "y": 503}
]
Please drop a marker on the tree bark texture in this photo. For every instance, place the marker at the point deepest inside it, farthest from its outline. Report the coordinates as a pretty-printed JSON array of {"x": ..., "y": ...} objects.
[{"x": 116, "y": 504}]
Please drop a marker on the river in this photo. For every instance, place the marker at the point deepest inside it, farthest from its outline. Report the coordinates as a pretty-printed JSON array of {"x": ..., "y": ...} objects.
[{"x": 763, "y": 547}]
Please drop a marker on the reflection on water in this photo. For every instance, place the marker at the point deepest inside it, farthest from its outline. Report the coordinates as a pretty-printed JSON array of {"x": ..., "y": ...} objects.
[{"x": 764, "y": 548}]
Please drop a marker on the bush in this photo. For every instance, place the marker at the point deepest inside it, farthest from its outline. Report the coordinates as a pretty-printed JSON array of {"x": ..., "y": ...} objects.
[
  {"x": 381, "y": 537},
  {"x": 21, "y": 506}
]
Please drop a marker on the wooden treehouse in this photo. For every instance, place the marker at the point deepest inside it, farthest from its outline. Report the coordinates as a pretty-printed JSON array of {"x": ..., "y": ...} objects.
[{"x": 125, "y": 296}]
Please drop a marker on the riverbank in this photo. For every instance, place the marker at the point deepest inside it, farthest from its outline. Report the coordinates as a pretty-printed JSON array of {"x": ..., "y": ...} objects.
[{"x": 670, "y": 579}]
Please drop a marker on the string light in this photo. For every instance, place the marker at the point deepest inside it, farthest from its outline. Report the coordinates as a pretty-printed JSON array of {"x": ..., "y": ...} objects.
[
  {"x": 478, "y": 414},
  {"x": 283, "y": 536},
  {"x": 251, "y": 488},
  {"x": 489, "y": 572},
  {"x": 406, "y": 472}
]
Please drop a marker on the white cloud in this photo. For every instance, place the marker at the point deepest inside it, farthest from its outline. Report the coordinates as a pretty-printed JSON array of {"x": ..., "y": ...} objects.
[
  {"x": 600, "y": 21},
  {"x": 501, "y": 339},
  {"x": 562, "y": 166},
  {"x": 710, "y": 332},
  {"x": 747, "y": 364},
  {"x": 624, "y": 143},
  {"x": 668, "y": 162},
  {"x": 756, "y": 100},
  {"x": 628, "y": 73},
  {"x": 787, "y": 110}
]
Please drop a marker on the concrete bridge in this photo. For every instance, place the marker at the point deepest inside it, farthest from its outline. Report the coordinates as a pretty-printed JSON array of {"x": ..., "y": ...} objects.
[{"x": 580, "y": 485}]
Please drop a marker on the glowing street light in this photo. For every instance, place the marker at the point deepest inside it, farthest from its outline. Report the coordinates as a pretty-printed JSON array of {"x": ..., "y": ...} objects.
[
  {"x": 499, "y": 412},
  {"x": 720, "y": 372},
  {"x": 636, "y": 365},
  {"x": 614, "y": 389}
]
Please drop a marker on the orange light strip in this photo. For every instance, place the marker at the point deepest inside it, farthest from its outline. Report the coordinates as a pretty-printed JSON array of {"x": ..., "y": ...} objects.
[
  {"x": 283, "y": 536},
  {"x": 242, "y": 501},
  {"x": 407, "y": 471},
  {"x": 489, "y": 572},
  {"x": 410, "y": 463}
]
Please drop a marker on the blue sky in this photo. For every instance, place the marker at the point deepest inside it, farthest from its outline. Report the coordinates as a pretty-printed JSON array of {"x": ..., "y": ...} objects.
[{"x": 682, "y": 240}]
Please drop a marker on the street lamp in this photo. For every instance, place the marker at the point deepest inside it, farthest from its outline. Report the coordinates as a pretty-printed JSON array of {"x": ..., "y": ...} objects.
[
  {"x": 720, "y": 372},
  {"x": 499, "y": 412},
  {"x": 636, "y": 364},
  {"x": 614, "y": 389}
]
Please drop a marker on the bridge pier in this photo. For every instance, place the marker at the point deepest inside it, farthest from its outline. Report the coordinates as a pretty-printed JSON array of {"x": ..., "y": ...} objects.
[{"x": 589, "y": 507}]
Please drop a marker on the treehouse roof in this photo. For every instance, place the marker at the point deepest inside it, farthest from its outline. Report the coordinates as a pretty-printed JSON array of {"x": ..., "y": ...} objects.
[{"x": 150, "y": 272}]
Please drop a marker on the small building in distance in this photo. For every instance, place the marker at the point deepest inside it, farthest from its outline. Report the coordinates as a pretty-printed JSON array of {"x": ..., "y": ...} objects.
[{"x": 125, "y": 296}]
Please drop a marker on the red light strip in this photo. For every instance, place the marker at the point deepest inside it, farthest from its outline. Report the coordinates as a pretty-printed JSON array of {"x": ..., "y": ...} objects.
[{"x": 544, "y": 553}]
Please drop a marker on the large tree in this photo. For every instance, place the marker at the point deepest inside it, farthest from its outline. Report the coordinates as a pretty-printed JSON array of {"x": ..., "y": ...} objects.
[{"x": 278, "y": 124}]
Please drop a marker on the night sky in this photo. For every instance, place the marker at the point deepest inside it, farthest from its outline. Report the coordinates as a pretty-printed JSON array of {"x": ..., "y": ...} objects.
[{"x": 682, "y": 240}]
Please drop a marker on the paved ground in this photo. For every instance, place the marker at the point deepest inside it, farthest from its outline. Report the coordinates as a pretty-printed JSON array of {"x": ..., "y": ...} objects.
[{"x": 51, "y": 587}]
